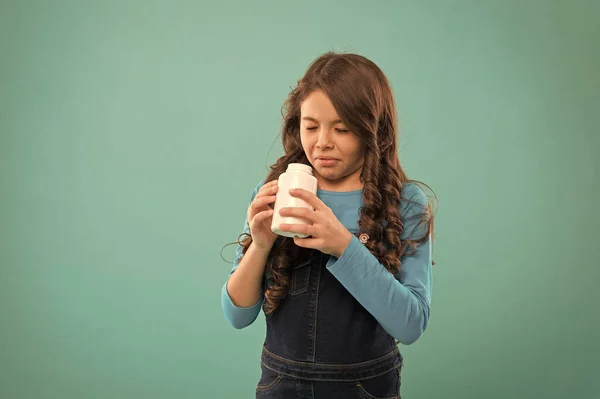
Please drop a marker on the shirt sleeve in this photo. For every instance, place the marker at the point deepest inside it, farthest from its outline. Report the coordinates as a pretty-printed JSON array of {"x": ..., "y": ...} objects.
[
  {"x": 240, "y": 317},
  {"x": 400, "y": 303}
]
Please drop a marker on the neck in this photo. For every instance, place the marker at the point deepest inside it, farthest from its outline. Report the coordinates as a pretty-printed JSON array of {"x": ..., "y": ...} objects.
[{"x": 347, "y": 183}]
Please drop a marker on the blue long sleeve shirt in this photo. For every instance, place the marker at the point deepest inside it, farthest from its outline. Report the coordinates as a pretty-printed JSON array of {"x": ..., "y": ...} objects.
[{"x": 401, "y": 302}]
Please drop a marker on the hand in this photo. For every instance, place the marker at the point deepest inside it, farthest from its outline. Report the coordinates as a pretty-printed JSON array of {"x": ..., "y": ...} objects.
[
  {"x": 260, "y": 216},
  {"x": 328, "y": 234}
]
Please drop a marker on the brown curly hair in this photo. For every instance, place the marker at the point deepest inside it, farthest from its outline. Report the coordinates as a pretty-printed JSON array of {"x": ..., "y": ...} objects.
[{"x": 363, "y": 99}]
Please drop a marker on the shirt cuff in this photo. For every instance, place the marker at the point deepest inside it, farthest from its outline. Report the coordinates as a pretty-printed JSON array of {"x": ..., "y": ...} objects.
[
  {"x": 238, "y": 316},
  {"x": 336, "y": 265}
]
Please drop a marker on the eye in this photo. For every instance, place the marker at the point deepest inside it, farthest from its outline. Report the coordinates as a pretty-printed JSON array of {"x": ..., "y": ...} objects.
[
  {"x": 311, "y": 128},
  {"x": 342, "y": 130}
]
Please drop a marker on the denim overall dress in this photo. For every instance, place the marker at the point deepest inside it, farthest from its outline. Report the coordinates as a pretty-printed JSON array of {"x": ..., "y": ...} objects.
[{"x": 322, "y": 344}]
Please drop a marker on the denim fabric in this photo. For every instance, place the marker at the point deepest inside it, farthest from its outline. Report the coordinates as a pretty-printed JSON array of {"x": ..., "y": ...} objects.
[{"x": 321, "y": 343}]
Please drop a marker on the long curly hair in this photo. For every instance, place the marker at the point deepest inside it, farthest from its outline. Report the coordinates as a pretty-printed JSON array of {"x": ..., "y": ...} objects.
[{"x": 363, "y": 99}]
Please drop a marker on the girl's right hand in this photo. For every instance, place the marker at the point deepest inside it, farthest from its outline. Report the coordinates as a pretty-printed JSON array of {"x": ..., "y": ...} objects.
[{"x": 260, "y": 216}]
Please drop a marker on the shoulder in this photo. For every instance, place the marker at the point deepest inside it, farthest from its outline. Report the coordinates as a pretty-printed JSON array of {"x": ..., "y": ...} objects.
[
  {"x": 412, "y": 199},
  {"x": 256, "y": 188},
  {"x": 413, "y": 212}
]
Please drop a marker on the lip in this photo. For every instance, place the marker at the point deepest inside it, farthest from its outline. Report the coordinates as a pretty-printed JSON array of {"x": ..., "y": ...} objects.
[
  {"x": 326, "y": 162},
  {"x": 327, "y": 159}
]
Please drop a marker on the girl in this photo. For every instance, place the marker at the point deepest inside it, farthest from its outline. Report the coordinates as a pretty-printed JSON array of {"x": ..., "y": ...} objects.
[{"x": 338, "y": 302}]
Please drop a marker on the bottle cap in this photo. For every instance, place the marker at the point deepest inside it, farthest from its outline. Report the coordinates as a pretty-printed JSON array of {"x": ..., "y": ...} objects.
[{"x": 300, "y": 166}]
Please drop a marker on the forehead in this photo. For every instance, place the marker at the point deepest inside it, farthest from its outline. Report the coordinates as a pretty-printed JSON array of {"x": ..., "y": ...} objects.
[{"x": 317, "y": 105}]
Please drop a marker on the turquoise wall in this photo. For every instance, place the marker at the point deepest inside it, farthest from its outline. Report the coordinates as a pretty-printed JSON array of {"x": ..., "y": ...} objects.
[{"x": 133, "y": 132}]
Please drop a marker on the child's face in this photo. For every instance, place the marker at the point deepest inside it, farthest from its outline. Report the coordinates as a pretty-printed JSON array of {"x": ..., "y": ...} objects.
[{"x": 323, "y": 134}]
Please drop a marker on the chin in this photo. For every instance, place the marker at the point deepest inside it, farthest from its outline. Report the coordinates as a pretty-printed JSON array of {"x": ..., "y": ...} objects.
[
  {"x": 325, "y": 169},
  {"x": 329, "y": 173}
]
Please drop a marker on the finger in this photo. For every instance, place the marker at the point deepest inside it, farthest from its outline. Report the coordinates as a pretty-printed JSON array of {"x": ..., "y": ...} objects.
[
  {"x": 304, "y": 229},
  {"x": 309, "y": 197},
  {"x": 267, "y": 189},
  {"x": 263, "y": 201},
  {"x": 299, "y": 212},
  {"x": 259, "y": 204},
  {"x": 260, "y": 216},
  {"x": 306, "y": 242}
]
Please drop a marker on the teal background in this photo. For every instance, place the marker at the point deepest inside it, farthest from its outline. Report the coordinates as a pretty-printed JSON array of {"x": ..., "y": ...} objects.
[{"x": 133, "y": 132}]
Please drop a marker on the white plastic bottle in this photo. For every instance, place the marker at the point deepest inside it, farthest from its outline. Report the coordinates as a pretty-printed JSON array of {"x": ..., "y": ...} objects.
[{"x": 297, "y": 175}]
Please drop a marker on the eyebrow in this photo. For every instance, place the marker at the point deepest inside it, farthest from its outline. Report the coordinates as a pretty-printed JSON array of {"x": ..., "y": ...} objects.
[{"x": 308, "y": 118}]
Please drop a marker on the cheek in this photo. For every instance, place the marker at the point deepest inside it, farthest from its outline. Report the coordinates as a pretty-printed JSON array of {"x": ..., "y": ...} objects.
[
  {"x": 358, "y": 152},
  {"x": 307, "y": 142}
]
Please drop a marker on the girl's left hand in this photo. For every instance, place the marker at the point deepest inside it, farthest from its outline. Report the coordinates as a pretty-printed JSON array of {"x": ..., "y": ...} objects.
[{"x": 328, "y": 234}]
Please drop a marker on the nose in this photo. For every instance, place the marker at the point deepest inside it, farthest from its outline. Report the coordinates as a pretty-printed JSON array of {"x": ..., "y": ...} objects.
[{"x": 325, "y": 137}]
